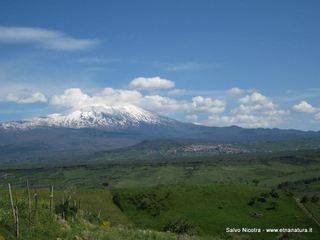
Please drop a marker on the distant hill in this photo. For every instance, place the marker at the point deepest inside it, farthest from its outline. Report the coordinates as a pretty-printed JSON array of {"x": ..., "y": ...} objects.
[{"x": 90, "y": 130}]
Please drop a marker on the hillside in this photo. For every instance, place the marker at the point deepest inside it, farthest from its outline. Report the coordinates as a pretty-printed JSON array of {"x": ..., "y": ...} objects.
[{"x": 73, "y": 135}]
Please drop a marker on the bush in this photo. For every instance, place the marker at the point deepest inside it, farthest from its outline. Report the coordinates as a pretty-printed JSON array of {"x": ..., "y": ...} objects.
[
  {"x": 66, "y": 209},
  {"x": 255, "y": 181},
  {"x": 148, "y": 202},
  {"x": 314, "y": 199},
  {"x": 274, "y": 194},
  {"x": 262, "y": 199},
  {"x": 305, "y": 199},
  {"x": 252, "y": 201},
  {"x": 180, "y": 226},
  {"x": 116, "y": 200}
]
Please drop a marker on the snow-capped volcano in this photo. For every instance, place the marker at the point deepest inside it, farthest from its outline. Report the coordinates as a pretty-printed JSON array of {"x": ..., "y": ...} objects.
[
  {"x": 75, "y": 134},
  {"x": 116, "y": 117}
]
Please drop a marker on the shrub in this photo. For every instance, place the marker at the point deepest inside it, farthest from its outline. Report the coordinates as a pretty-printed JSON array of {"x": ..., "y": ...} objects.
[
  {"x": 180, "y": 226},
  {"x": 252, "y": 201},
  {"x": 255, "y": 181},
  {"x": 305, "y": 199},
  {"x": 149, "y": 202},
  {"x": 66, "y": 208},
  {"x": 314, "y": 199},
  {"x": 117, "y": 201},
  {"x": 262, "y": 199},
  {"x": 274, "y": 194}
]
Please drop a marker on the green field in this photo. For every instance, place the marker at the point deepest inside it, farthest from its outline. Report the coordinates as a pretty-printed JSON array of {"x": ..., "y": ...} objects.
[
  {"x": 198, "y": 197},
  {"x": 211, "y": 209}
]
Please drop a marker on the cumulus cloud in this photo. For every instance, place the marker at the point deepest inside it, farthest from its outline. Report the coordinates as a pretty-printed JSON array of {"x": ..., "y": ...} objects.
[
  {"x": 71, "y": 98},
  {"x": 254, "y": 98},
  {"x": 304, "y": 107},
  {"x": 255, "y": 103},
  {"x": 253, "y": 110},
  {"x": 235, "y": 91},
  {"x": 206, "y": 104},
  {"x": 74, "y": 98},
  {"x": 243, "y": 120},
  {"x": 151, "y": 83},
  {"x": 26, "y": 98},
  {"x": 45, "y": 38},
  {"x": 317, "y": 117}
]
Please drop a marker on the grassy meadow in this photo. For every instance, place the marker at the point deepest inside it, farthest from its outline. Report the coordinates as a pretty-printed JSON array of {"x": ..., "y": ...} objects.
[{"x": 187, "y": 198}]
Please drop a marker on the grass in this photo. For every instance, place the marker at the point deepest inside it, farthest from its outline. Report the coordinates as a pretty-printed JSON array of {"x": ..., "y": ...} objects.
[
  {"x": 211, "y": 209},
  {"x": 201, "y": 211},
  {"x": 269, "y": 170},
  {"x": 111, "y": 225},
  {"x": 314, "y": 208},
  {"x": 200, "y": 195}
]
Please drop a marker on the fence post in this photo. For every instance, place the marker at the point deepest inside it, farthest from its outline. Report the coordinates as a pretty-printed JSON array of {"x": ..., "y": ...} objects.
[
  {"x": 29, "y": 201},
  {"x": 17, "y": 222},
  {"x": 11, "y": 201},
  {"x": 36, "y": 201},
  {"x": 14, "y": 212},
  {"x": 51, "y": 201}
]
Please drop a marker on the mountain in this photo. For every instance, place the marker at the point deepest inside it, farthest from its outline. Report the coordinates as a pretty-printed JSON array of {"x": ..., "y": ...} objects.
[
  {"x": 103, "y": 117},
  {"x": 85, "y": 131}
]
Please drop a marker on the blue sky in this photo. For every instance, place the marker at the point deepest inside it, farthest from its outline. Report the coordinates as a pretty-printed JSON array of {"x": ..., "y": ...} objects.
[{"x": 267, "y": 52}]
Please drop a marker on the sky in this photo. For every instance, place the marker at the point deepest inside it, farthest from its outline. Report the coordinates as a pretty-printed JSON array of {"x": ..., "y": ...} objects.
[{"x": 210, "y": 62}]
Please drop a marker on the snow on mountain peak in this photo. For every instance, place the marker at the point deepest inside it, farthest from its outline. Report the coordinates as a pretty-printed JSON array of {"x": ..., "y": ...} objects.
[{"x": 122, "y": 116}]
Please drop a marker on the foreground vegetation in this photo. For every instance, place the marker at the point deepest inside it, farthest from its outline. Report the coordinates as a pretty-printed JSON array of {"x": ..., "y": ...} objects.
[
  {"x": 210, "y": 209},
  {"x": 163, "y": 212},
  {"x": 186, "y": 198}
]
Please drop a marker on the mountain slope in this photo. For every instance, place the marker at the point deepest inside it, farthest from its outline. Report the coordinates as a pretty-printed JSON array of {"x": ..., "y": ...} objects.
[
  {"x": 89, "y": 130},
  {"x": 107, "y": 117}
]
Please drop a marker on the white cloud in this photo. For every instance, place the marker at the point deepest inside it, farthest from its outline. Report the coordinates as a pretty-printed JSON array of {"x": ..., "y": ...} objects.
[
  {"x": 209, "y": 105},
  {"x": 151, "y": 83},
  {"x": 71, "y": 98},
  {"x": 253, "y": 110},
  {"x": 254, "y": 98},
  {"x": 110, "y": 96},
  {"x": 45, "y": 38},
  {"x": 255, "y": 103},
  {"x": 74, "y": 98},
  {"x": 162, "y": 104},
  {"x": 304, "y": 107},
  {"x": 243, "y": 120},
  {"x": 26, "y": 98},
  {"x": 317, "y": 117},
  {"x": 235, "y": 91}
]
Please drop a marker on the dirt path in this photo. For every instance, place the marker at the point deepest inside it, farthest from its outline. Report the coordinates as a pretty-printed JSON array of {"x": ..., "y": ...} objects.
[{"x": 306, "y": 211}]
